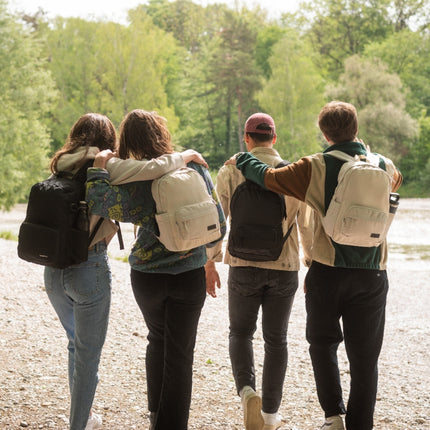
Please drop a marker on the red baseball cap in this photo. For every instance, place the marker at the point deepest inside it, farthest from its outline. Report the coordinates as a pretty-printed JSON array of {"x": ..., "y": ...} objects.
[{"x": 260, "y": 123}]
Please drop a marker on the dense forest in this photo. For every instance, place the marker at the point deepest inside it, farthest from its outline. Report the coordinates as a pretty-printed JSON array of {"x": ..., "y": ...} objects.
[{"x": 206, "y": 68}]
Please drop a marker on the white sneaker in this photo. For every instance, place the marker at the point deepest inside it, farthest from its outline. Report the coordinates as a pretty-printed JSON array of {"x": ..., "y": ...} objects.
[
  {"x": 333, "y": 423},
  {"x": 94, "y": 422},
  {"x": 271, "y": 421},
  {"x": 251, "y": 403}
]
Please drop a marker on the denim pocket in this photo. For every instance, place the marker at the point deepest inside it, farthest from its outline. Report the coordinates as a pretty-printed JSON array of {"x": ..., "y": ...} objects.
[{"x": 89, "y": 278}]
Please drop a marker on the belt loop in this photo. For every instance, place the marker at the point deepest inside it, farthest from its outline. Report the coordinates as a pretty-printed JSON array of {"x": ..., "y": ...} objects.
[{"x": 99, "y": 246}]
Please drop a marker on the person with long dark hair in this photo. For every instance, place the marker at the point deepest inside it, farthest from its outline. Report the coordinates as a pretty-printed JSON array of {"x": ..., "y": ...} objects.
[{"x": 169, "y": 287}]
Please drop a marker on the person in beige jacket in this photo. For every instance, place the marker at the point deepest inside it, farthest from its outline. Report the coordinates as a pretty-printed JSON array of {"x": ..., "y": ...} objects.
[
  {"x": 81, "y": 294},
  {"x": 270, "y": 285}
]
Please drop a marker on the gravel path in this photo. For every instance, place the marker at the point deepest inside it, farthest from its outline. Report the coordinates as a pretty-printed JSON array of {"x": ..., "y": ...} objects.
[{"x": 33, "y": 386}]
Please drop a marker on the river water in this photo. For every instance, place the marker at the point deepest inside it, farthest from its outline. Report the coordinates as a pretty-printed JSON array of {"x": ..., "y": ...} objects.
[{"x": 409, "y": 235}]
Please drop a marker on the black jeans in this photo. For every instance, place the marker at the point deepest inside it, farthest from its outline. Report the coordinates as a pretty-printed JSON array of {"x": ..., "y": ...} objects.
[
  {"x": 171, "y": 306},
  {"x": 273, "y": 290},
  {"x": 358, "y": 296}
]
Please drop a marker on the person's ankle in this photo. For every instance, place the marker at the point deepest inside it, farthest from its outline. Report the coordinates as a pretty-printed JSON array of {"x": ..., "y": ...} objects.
[{"x": 272, "y": 418}]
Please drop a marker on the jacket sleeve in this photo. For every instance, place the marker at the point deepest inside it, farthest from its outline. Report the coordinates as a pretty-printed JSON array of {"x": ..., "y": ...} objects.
[
  {"x": 305, "y": 222},
  {"x": 292, "y": 180},
  {"x": 397, "y": 180},
  {"x": 124, "y": 171},
  {"x": 121, "y": 203},
  {"x": 251, "y": 167}
]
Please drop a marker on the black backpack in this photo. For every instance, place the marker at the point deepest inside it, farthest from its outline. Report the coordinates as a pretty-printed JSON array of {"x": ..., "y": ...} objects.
[
  {"x": 55, "y": 230},
  {"x": 256, "y": 217}
]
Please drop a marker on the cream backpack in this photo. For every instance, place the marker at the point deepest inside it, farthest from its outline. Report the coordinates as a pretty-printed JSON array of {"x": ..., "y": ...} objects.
[
  {"x": 187, "y": 216},
  {"x": 362, "y": 207}
]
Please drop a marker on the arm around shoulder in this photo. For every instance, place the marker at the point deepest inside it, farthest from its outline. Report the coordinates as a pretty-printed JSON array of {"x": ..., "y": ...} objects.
[{"x": 124, "y": 171}]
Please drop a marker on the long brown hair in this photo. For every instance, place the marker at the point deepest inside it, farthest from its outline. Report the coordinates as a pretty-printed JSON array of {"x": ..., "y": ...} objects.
[
  {"x": 91, "y": 129},
  {"x": 144, "y": 135}
]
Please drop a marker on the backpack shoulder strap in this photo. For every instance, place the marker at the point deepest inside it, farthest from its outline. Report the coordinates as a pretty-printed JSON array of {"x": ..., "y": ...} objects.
[
  {"x": 93, "y": 233},
  {"x": 283, "y": 163},
  {"x": 368, "y": 157},
  {"x": 119, "y": 234},
  {"x": 340, "y": 155},
  {"x": 81, "y": 174}
]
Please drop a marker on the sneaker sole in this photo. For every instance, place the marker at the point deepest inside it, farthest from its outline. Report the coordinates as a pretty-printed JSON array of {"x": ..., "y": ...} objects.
[{"x": 253, "y": 418}]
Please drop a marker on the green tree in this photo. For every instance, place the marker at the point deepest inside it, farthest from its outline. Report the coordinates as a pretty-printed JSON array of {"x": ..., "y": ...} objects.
[
  {"x": 267, "y": 37},
  {"x": 110, "y": 68},
  {"x": 234, "y": 78},
  {"x": 342, "y": 28},
  {"x": 415, "y": 166},
  {"x": 138, "y": 62},
  {"x": 407, "y": 54},
  {"x": 26, "y": 96},
  {"x": 294, "y": 95},
  {"x": 410, "y": 13},
  {"x": 377, "y": 94},
  {"x": 185, "y": 20},
  {"x": 71, "y": 47}
]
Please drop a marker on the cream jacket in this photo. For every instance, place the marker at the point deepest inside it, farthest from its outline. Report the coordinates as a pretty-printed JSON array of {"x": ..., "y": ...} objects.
[{"x": 298, "y": 213}]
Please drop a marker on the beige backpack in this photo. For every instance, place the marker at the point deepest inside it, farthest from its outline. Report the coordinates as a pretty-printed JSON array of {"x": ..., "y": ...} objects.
[
  {"x": 187, "y": 215},
  {"x": 362, "y": 207}
]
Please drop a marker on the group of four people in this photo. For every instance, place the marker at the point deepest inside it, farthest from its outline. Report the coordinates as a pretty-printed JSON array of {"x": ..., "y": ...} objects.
[{"x": 170, "y": 287}]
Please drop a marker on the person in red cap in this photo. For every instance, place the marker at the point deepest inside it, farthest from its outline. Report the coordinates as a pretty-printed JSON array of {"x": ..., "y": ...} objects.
[{"x": 269, "y": 285}]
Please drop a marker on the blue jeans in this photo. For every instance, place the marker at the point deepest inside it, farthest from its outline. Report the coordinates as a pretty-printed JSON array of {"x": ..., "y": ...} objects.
[
  {"x": 171, "y": 306},
  {"x": 273, "y": 290},
  {"x": 81, "y": 296},
  {"x": 358, "y": 296}
]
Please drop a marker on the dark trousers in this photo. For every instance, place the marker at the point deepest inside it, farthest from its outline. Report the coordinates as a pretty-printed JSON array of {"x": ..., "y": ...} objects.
[
  {"x": 171, "y": 306},
  {"x": 358, "y": 296},
  {"x": 273, "y": 290}
]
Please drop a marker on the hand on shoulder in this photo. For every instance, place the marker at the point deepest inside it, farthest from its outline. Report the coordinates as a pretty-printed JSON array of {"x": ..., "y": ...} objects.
[
  {"x": 103, "y": 157},
  {"x": 231, "y": 161},
  {"x": 191, "y": 155}
]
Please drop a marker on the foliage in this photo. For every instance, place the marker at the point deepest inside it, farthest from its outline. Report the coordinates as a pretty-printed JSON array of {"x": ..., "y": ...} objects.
[
  {"x": 407, "y": 54},
  {"x": 383, "y": 122},
  {"x": 294, "y": 96},
  {"x": 234, "y": 77},
  {"x": 410, "y": 13},
  {"x": 266, "y": 39},
  {"x": 342, "y": 28},
  {"x": 26, "y": 95},
  {"x": 415, "y": 166},
  {"x": 109, "y": 68},
  {"x": 206, "y": 68},
  {"x": 185, "y": 20}
]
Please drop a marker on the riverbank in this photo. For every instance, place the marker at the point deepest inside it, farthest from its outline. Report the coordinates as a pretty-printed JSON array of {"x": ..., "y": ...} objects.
[{"x": 33, "y": 385}]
